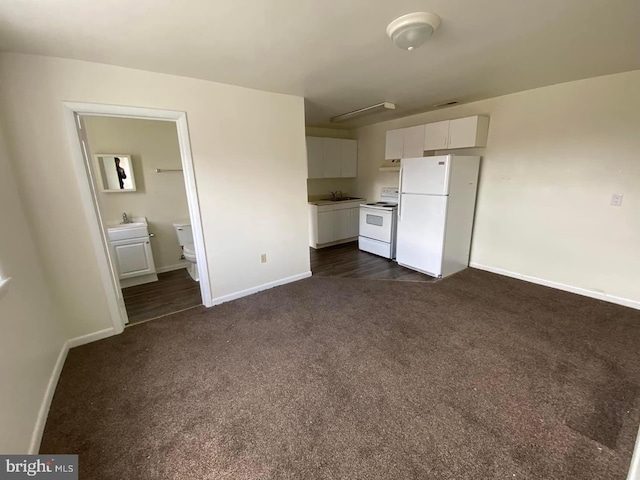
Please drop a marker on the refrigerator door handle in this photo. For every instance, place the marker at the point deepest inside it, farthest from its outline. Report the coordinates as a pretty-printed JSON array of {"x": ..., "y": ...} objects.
[{"x": 400, "y": 196}]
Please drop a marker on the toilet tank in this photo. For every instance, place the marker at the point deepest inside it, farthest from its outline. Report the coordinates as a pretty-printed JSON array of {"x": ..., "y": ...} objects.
[{"x": 183, "y": 231}]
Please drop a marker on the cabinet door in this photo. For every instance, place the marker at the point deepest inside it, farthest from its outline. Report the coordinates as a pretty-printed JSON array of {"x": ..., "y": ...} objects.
[
  {"x": 355, "y": 222},
  {"x": 342, "y": 224},
  {"x": 325, "y": 227},
  {"x": 394, "y": 144},
  {"x": 436, "y": 135},
  {"x": 349, "y": 158},
  {"x": 332, "y": 154},
  {"x": 315, "y": 164},
  {"x": 134, "y": 257},
  {"x": 462, "y": 132},
  {"x": 413, "y": 142}
]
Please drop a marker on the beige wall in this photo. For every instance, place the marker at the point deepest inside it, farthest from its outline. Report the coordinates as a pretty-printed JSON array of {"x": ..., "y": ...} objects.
[
  {"x": 32, "y": 335},
  {"x": 160, "y": 197},
  {"x": 323, "y": 186},
  {"x": 249, "y": 158},
  {"x": 554, "y": 157}
]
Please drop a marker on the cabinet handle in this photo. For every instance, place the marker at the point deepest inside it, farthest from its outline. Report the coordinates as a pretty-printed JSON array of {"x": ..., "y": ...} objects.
[
  {"x": 147, "y": 243},
  {"x": 152, "y": 235}
]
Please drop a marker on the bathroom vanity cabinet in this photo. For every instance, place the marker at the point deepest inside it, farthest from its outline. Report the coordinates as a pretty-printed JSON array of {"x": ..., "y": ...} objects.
[
  {"x": 134, "y": 257},
  {"x": 131, "y": 252}
]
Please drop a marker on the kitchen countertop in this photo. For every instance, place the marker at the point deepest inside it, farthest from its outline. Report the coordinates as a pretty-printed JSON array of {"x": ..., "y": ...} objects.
[{"x": 331, "y": 202}]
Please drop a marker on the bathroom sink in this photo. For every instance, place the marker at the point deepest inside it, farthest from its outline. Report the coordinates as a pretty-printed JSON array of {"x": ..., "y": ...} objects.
[
  {"x": 124, "y": 226},
  {"x": 123, "y": 231}
]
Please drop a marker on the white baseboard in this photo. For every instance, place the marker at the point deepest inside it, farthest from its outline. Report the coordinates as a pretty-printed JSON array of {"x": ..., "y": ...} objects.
[
  {"x": 561, "y": 286},
  {"x": 171, "y": 268},
  {"x": 259, "y": 288},
  {"x": 90, "y": 337},
  {"x": 43, "y": 413}
]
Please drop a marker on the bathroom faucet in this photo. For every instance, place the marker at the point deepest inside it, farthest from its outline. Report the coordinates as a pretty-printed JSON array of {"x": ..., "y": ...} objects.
[{"x": 125, "y": 219}]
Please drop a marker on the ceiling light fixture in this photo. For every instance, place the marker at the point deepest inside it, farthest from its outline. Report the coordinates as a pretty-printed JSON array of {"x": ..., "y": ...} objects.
[
  {"x": 412, "y": 30},
  {"x": 378, "y": 107}
]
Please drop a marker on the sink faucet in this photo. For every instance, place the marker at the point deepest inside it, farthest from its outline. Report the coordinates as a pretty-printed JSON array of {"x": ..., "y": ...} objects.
[{"x": 125, "y": 219}]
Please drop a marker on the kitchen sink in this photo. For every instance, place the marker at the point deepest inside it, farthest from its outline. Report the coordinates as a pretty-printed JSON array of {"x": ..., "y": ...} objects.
[{"x": 343, "y": 199}]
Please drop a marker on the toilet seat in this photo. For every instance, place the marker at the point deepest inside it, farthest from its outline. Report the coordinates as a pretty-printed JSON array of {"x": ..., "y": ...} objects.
[{"x": 189, "y": 251}]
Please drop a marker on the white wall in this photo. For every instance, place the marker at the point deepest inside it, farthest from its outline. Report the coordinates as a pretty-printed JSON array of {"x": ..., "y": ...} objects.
[
  {"x": 31, "y": 334},
  {"x": 160, "y": 197},
  {"x": 321, "y": 187},
  {"x": 249, "y": 158},
  {"x": 554, "y": 157}
]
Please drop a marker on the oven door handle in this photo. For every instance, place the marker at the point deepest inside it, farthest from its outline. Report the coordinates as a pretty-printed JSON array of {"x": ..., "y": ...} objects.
[{"x": 400, "y": 196}]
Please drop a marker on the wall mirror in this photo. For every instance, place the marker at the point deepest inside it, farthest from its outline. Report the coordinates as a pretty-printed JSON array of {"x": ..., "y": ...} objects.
[{"x": 115, "y": 171}]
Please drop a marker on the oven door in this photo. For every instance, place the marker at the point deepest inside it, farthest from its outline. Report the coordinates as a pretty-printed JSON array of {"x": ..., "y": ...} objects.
[{"x": 376, "y": 224}]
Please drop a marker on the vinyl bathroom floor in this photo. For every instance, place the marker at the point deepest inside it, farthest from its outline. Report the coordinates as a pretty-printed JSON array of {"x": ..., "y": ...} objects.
[{"x": 174, "y": 291}]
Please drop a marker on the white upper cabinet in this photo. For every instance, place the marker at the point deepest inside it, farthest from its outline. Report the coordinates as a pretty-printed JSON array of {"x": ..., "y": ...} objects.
[
  {"x": 459, "y": 133},
  {"x": 413, "y": 144},
  {"x": 404, "y": 143},
  {"x": 394, "y": 144},
  {"x": 349, "y": 158},
  {"x": 331, "y": 157},
  {"x": 468, "y": 132},
  {"x": 315, "y": 161},
  {"x": 436, "y": 135}
]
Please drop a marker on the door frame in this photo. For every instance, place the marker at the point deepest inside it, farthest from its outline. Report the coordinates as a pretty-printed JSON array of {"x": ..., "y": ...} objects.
[{"x": 89, "y": 196}]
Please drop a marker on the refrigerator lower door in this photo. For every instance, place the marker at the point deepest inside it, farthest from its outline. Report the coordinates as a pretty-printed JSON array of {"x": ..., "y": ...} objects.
[{"x": 421, "y": 223}]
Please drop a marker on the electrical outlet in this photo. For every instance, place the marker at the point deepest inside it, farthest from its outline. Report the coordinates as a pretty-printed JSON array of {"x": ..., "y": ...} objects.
[
  {"x": 616, "y": 199},
  {"x": 263, "y": 258}
]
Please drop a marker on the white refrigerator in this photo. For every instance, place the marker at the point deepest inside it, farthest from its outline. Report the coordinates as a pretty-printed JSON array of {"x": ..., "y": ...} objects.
[{"x": 435, "y": 213}]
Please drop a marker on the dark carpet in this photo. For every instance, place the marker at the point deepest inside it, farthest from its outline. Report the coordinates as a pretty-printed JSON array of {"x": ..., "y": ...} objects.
[{"x": 474, "y": 377}]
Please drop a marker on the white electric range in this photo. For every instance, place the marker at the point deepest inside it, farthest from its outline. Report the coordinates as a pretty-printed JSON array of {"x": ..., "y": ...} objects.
[{"x": 378, "y": 222}]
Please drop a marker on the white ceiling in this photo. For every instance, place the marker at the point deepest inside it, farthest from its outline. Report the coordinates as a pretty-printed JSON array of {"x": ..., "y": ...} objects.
[{"x": 336, "y": 53}]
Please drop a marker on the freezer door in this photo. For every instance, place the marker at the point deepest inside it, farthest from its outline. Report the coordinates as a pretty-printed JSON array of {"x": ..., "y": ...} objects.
[
  {"x": 421, "y": 222},
  {"x": 426, "y": 175}
]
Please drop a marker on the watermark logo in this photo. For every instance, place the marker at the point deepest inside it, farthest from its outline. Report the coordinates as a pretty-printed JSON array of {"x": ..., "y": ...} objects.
[{"x": 51, "y": 467}]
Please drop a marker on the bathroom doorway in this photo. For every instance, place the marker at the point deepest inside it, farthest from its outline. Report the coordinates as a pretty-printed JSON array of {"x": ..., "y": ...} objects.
[
  {"x": 143, "y": 203},
  {"x": 135, "y": 167}
]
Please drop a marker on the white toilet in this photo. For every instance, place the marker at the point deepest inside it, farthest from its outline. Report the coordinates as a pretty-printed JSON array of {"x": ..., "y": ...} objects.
[{"x": 185, "y": 239}]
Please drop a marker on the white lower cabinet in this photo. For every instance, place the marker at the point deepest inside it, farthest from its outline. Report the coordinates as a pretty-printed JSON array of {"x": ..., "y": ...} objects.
[
  {"x": 325, "y": 227},
  {"x": 332, "y": 224},
  {"x": 134, "y": 257},
  {"x": 342, "y": 224},
  {"x": 354, "y": 226}
]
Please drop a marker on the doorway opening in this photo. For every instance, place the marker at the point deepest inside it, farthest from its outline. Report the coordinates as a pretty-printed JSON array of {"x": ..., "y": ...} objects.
[{"x": 136, "y": 177}]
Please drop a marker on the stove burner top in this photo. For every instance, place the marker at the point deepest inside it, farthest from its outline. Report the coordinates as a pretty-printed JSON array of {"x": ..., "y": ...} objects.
[{"x": 382, "y": 205}]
